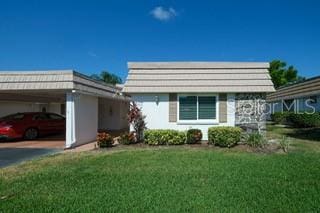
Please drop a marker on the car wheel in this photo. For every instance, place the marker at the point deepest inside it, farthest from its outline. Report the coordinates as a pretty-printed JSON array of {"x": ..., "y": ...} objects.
[{"x": 31, "y": 134}]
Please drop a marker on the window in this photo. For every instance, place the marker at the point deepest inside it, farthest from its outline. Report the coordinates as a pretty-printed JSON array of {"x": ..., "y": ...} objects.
[
  {"x": 40, "y": 116},
  {"x": 197, "y": 108},
  {"x": 188, "y": 107},
  {"x": 207, "y": 107},
  {"x": 55, "y": 117},
  {"x": 18, "y": 116}
]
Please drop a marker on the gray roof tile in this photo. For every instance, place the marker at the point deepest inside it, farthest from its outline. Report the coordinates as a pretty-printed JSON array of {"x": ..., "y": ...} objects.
[{"x": 151, "y": 77}]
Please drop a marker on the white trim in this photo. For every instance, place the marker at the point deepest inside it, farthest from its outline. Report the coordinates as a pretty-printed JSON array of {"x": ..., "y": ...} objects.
[
  {"x": 70, "y": 120},
  {"x": 198, "y": 121}
]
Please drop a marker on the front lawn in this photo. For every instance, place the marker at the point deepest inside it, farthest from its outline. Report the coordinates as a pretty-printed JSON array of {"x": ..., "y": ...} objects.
[{"x": 162, "y": 180}]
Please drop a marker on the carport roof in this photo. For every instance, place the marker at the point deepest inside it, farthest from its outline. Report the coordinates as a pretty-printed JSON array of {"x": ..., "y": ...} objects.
[{"x": 55, "y": 80}]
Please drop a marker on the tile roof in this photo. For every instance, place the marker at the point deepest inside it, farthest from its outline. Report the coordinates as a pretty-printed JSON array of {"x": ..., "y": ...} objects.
[
  {"x": 151, "y": 77},
  {"x": 56, "y": 80},
  {"x": 305, "y": 88}
]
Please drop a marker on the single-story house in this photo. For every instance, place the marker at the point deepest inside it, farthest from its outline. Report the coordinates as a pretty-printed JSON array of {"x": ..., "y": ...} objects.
[
  {"x": 298, "y": 97},
  {"x": 183, "y": 95},
  {"x": 87, "y": 104}
]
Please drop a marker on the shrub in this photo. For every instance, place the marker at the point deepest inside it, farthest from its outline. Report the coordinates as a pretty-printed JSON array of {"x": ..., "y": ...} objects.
[
  {"x": 224, "y": 136},
  {"x": 164, "y": 137},
  {"x": 194, "y": 136},
  {"x": 104, "y": 140},
  {"x": 127, "y": 138},
  {"x": 280, "y": 117},
  {"x": 304, "y": 119},
  {"x": 137, "y": 120},
  {"x": 297, "y": 119},
  {"x": 256, "y": 140},
  {"x": 284, "y": 144}
]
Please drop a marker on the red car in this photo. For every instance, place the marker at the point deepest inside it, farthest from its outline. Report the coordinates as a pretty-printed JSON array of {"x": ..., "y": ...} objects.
[{"x": 31, "y": 125}]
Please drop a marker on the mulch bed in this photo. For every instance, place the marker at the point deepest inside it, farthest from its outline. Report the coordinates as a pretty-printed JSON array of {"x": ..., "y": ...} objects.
[{"x": 268, "y": 149}]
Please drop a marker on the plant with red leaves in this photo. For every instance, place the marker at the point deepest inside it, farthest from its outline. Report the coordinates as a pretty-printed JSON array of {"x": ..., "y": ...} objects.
[
  {"x": 104, "y": 140},
  {"x": 136, "y": 119}
]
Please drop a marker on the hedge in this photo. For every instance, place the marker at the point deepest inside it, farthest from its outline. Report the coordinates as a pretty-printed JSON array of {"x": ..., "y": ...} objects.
[
  {"x": 194, "y": 136},
  {"x": 304, "y": 119},
  {"x": 297, "y": 119},
  {"x": 164, "y": 137},
  {"x": 224, "y": 136},
  {"x": 280, "y": 117}
]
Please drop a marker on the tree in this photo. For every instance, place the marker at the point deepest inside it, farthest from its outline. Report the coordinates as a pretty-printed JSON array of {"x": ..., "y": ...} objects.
[
  {"x": 107, "y": 77},
  {"x": 282, "y": 75}
]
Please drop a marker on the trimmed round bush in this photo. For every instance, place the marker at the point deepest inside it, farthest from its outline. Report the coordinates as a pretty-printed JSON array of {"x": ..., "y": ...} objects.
[
  {"x": 224, "y": 136},
  {"x": 164, "y": 137},
  {"x": 194, "y": 136}
]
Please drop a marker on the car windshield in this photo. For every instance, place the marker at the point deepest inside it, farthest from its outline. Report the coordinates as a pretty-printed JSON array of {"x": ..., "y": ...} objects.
[{"x": 17, "y": 116}]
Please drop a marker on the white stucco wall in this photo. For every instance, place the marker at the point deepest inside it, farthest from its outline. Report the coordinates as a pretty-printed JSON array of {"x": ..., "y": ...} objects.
[
  {"x": 113, "y": 114},
  {"x": 86, "y": 118},
  {"x": 7, "y": 108},
  {"x": 55, "y": 108},
  {"x": 10, "y": 107},
  {"x": 157, "y": 115},
  {"x": 124, "y": 109}
]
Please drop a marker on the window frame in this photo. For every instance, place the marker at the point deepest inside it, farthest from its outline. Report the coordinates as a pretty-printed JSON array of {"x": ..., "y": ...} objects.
[{"x": 198, "y": 121}]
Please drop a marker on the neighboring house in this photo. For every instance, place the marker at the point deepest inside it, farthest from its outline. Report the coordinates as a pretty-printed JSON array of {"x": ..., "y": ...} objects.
[
  {"x": 88, "y": 104},
  {"x": 183, "y": 95},
  {"x": 299, "y": 97}
]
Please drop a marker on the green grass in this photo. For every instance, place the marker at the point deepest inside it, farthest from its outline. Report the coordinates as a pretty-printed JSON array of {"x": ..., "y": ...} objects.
[
  {"x": 165, "y": 180},
  {"x": 302, "y": 139},
  {"x": 177, "y": 179}
]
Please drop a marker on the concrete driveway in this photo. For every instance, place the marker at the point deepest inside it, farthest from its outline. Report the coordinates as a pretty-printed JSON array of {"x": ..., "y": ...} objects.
[{"x": 19, "y": 151}]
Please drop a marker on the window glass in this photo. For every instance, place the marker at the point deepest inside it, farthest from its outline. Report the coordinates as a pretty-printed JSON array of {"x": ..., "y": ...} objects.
[
  {"x": 17, "y": 116},
  {"x": 197, "y": 107},
  {"x": 55, "y": 117},
  {"x": 188, "y": 107},
  {"x": 41, "y": 116},
  {"x": 207, "y": 107}
]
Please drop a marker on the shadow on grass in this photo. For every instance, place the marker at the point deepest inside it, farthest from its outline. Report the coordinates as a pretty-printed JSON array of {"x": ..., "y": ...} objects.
[{"x": 312, "y": 134}]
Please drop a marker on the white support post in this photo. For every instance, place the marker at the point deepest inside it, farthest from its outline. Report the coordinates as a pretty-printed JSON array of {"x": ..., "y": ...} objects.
[{"x": 70, "y": 119}]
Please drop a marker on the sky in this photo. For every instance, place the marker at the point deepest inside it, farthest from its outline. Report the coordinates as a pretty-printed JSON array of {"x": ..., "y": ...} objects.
[{"x": 91, "y": 36}]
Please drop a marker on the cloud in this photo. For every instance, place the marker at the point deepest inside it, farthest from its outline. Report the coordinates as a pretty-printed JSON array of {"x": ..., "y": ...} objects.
[
  {"x": 163, "y": 14},
  {"x": 92, "y": 54}
]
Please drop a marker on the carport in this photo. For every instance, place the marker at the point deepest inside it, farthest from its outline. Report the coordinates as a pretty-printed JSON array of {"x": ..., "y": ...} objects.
[{"x": 87, "y": 104}]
